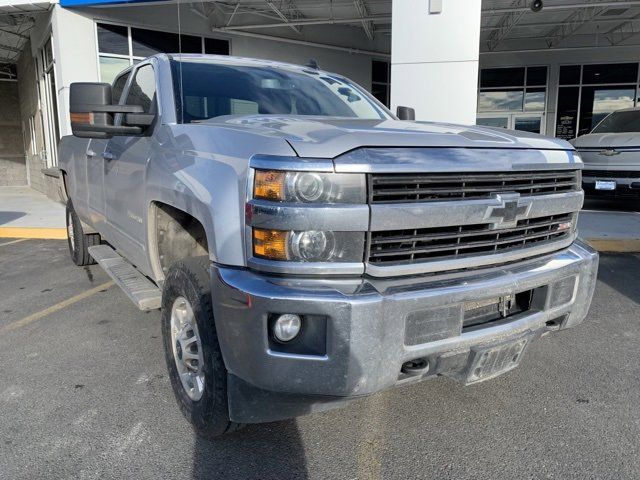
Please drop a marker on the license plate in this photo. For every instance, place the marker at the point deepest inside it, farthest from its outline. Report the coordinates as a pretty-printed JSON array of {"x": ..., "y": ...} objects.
[
  {"x": 605, "y": 185},
  {"x": 489, "y": 362}
]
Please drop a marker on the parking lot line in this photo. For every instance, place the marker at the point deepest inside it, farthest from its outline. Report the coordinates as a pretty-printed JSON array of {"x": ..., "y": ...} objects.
[
  {"x": 54, "y": 308},
  {"x": 34, "y": 232},
  {"x": 13, "y": 241}
]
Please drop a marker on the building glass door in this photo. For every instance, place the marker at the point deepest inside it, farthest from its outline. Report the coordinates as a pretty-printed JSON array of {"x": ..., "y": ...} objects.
[{"x": 48, "y": 97}]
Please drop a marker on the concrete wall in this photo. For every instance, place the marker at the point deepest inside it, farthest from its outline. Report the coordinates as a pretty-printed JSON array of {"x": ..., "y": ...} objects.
[
  {"x": 434, "y": 59},
  {"x": 554, "y": 59},
  {"x": 30, "y": 108},
  {"x": 12, "y": 161}
]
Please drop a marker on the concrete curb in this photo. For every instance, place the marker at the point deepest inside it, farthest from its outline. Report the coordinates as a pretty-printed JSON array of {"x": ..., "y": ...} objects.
[
  {"x": 629, "y": 245},
  {"x": 34, "y": 232}
]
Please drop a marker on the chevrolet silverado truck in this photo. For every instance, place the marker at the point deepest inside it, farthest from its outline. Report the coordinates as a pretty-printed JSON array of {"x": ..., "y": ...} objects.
[
  {"x": 306, "y": 247},
  {"x": 611, "y": 156}
]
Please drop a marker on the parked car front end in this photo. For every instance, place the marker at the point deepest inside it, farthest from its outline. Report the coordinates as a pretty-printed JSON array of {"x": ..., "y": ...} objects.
[
  {"x": 611, "y": 156},
  {"x": 426, "y": 262}
]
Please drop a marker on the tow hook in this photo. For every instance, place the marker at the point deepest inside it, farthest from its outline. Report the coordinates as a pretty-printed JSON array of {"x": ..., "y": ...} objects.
[{"x": 418, "y": 366}]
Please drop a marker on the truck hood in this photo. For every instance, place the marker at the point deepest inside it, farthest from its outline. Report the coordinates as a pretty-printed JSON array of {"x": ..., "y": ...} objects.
[
  {"x": 608, "y": 140},
  {"x": 324, "y": 137}
]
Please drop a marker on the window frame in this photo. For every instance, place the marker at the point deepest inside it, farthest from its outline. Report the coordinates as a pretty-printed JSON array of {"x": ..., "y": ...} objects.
[
  {"x": 135, "y": 59},
  {"x": 580, "y": 85},
  {"x": 524, "y": 88},
  {"x": 387, "y": 84}
]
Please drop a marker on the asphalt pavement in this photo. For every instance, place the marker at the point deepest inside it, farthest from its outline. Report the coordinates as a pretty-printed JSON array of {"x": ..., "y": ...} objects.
[{"x": 84, "y": 394}]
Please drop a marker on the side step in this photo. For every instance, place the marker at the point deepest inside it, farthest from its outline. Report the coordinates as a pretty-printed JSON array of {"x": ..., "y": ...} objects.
[{"x": 144, "y": 293}]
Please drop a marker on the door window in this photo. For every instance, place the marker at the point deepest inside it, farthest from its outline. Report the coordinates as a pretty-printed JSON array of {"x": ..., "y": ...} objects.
[
  {"x": 118, "y": 87},
  {"x": 143, "y": 89}
]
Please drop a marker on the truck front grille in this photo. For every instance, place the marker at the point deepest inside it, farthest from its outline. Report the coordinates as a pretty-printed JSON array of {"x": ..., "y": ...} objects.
[
  {"x": 411, "y": 188},
  {"x": 397, "y": 247},
  {"x": 611, "y": 174}
]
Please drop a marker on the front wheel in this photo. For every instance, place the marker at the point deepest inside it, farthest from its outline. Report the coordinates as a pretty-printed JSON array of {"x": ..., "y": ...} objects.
[
  {"x": 79, "y": 242},
  {"x": 194, "y": 361}
]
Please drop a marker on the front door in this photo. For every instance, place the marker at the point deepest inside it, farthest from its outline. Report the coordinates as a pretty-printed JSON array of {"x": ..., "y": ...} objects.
[{"x": 126, "y": 159}]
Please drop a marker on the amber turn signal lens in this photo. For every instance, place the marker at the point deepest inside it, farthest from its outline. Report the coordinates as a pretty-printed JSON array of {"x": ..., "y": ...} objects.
[
  {"x": 86, "y": 118},
  {"x": 269, "y": 185},
  {"x": 270, "y": 244}
]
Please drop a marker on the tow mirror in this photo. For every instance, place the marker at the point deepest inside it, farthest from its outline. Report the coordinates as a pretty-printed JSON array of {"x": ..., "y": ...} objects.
[
  {"x": 405, "y": 113},
  {"x": 92, "y": 113}
]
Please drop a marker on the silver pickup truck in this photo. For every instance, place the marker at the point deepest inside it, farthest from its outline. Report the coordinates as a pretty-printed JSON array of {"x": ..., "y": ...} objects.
[{"x": 306, "y": 247}]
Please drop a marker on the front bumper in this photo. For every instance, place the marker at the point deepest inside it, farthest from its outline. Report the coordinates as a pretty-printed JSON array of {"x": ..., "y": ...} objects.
[{"x": 371, "y": 330}]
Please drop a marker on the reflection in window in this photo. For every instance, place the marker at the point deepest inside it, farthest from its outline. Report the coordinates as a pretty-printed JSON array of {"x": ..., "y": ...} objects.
[
  {"x": 501, "y": 122},
  {"x": 598, "y": 102},
  {"x": 500, "y": 101},
  {"x": 534, "y": 100},
  {"x": 110, "y": 67}
]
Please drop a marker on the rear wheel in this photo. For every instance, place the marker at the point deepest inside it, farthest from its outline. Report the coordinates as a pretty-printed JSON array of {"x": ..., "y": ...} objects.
[
  {"x": 79, "y": 242},
  {"x": 194, "y": 361}
]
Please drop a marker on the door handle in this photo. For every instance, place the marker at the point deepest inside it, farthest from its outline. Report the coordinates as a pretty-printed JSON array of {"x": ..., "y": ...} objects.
[{"x": 107, "y": 155}]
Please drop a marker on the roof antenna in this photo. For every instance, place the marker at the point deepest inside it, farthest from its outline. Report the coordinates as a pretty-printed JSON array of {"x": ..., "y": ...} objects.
[{"x": 313, "y": 63}]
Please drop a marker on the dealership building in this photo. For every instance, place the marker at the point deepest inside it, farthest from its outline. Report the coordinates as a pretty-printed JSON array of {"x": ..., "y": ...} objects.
[{"x": 555, "y": 67}]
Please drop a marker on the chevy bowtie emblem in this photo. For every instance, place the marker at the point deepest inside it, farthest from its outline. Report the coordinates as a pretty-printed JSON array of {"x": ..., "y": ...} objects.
[
  {"x": 608, "y": 152},
  {"x": 511, "y": 209}
]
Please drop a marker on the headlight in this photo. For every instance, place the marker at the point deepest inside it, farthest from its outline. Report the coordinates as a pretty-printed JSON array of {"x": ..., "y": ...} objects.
[
  {"x": 308, "y": 187},
  {"x": 308, "y": 246}
]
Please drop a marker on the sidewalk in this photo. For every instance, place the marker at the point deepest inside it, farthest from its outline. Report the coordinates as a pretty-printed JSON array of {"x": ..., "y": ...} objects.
[
  {"x": 610, "y": 231},
  {"x": 26, "y": 213}
]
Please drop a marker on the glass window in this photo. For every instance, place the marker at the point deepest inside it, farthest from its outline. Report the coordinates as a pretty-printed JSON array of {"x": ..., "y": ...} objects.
[
  {"x": 610, "y": 73},
  {"x": 567, "y": 114},
  {"x": 110, "y": 67},
  {"x": 229, "y": 89},
  {"x": 143, "y": 89},
  {"x": 149, "y": 42},
  {"x": 381, "y": 92},
  {"x": 113, "y": 39},
  {"x": 598, "y": 102},
  {"x": 501, "y": 77},
  {"x": 216, "y": 46},
  {"x": 528, "y": 124},
  {"x": 190, "y": 44},
  {"x": 118, "y": 87},
  {"x": 536, "y": 76},
  {"x": 620, "y": 122},
  {"x": 500, "y": 100},
  {"x": 534, "y": 99},
  {"x": 570, "y": 75},
  {"x": 379, "y": 71},
  {"x": 501, "y": 122}
]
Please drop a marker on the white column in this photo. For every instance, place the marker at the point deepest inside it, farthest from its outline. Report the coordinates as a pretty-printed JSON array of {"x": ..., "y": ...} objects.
[
  {"x": 434, "y": 58},
  {"x": 75, "y": 53}
]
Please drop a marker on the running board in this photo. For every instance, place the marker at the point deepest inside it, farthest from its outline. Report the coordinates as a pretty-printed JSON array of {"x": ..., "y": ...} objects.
[{"x": 142, "y": 291}]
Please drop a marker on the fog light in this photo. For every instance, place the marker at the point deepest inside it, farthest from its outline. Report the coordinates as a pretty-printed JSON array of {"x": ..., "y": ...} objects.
[{"x": 287, "y": 327}]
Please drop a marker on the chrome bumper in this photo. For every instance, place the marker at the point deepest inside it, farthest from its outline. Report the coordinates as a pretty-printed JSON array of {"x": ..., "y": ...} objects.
[{"x": 367, "y": 328}]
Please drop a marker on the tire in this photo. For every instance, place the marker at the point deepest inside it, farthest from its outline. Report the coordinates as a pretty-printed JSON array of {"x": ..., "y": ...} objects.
[
  {"x": 206, "y": 408},
  {"x": 79, "y": 242}
]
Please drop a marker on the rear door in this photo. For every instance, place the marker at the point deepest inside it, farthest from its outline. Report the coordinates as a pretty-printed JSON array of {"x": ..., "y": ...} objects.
[{"x": 126, "y": 159}]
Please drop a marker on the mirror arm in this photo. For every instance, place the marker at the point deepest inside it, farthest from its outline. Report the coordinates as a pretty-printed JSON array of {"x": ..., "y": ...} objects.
[{"x": 109, "y": 129}]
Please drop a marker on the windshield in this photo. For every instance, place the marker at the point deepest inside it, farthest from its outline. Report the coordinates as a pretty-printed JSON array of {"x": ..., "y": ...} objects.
[
  {"x": 215, "y": 89},
  {"x": 620, "y": 122}
]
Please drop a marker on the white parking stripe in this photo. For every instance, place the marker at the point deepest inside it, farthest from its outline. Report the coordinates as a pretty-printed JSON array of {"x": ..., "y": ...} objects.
[{"x": 13, "y": 241}]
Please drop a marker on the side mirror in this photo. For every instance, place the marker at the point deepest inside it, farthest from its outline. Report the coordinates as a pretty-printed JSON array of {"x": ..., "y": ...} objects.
[
  {"x": 405, "y": 113},
  {"x": 92, "y": 113}
]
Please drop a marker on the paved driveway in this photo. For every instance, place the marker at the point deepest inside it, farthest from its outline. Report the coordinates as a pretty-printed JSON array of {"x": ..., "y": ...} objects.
[{"x": 84, "y": 394}]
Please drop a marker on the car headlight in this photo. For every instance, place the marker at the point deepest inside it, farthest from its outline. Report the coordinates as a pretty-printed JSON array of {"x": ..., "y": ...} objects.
[
  {"x": 308, "y": 246},
  {"x": 309, "y": 187}
]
